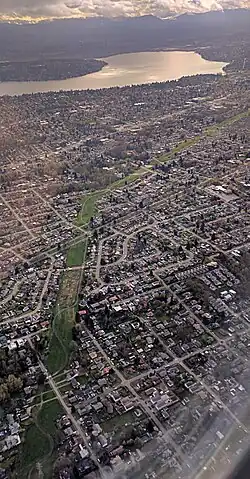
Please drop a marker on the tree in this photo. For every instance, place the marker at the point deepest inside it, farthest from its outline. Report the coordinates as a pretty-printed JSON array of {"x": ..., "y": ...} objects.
[
  {"x": 4, "y": 393},
  {"x": 136, "y": 361},
  {"x": 14, "y": 384},
  {"x": 138, "y": 443},
  {"x": 73, "y": 346},
  {"x": 61, "y": 464},
  {"x": 41, "y": 379},
  {"x": 150, "y": 427}
]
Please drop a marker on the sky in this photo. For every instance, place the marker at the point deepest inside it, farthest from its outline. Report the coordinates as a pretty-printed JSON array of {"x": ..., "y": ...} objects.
[{"x": 37, "y": 9}]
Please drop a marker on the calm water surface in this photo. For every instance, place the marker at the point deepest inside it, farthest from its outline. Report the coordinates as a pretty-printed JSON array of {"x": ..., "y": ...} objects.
[{"x": 126, "y": 69}]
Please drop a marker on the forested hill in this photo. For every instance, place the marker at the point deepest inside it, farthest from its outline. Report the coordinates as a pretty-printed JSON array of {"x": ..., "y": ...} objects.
[{"x": 99, "y": 37}]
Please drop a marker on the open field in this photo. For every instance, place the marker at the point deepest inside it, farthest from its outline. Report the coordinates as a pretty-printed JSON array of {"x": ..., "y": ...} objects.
[
  {"x": 64, "y": 317},
  {"x": 40, "y": 438},
  {"x": 88, "y": 208},
  {"x": 59, "y": 347},
  {"x": 76, "y": 254}
]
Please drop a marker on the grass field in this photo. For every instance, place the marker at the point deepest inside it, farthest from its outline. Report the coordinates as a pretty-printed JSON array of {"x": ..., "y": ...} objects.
[
  {"x": 64, "y": 317},
  {"x": 119, "y": 422},
  {"x": 48, "y": 395},
  {"x": 182, "y": 146},
  {"x": 76, "y": 254},
  {"x": 57, "y": 357},
  {"x": 88, "y": 208},
  {"x": 40, "y": 439},
  {"x": 59, "y": 347},
  {"x": 64, "y": 320},
  {"x": 36, "y": 446},
  {"x": 47, "y": 416},
  {"x": 129, "y": 179},
  {"x": 64, "y": 388}
]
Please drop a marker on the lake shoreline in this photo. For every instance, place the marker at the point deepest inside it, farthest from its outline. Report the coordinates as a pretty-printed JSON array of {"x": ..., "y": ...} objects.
[
  {"x": 95, "y": 66},
  {"x": 103, "y": 63},
  {"x": 126, "y": 69}
]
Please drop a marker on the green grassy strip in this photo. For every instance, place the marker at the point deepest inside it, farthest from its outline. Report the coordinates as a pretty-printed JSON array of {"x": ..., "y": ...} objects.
[
  {"x": 65, "y": 388},
  {"x": 59, "y": 348},
  {"x": 182, "y": 146},
  {"x": 76, "y": 254},
  {"x": 47, "y": 418},
  {"x": 128, "y": 179},
  {"x": 40, "y": 438},
  {"x": 88, "y": 208},
  {"x": 48, "y": 395},
  {"x": 214, "y": 129},
  {"x": 36, "y": 445},
  {"x": 64, "y": 317},
  {"x": 89, "y": 201}
]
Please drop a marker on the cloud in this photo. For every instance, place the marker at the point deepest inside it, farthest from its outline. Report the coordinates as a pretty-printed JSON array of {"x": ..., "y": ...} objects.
[{"x": 110, "y": 8}]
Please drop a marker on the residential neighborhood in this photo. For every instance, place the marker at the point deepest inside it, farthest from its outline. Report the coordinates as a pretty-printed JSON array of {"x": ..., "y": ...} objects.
[{"x": 124, "y": 280}]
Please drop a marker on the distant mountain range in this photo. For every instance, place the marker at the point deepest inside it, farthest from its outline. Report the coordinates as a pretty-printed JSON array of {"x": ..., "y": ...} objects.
[{"x": 99, "y": 37}]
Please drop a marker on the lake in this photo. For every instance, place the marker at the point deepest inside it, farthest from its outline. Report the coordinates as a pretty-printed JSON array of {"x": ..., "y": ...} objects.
[{"x": 125, "y": 69}]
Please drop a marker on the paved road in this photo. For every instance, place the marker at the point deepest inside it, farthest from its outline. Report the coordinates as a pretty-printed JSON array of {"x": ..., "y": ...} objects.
[
  {"x": 58, "y": 214},
  {"x": 15, "y": 213},
  {"x": 12, "y": 293},
  {"x": 197, "y": 378},
  {"x": 128, "y": 383},
  {"x": 39, "y": 305},
  {"x": 99, "y": 255},
  {"x": 140, "y": 401},
  {"x": 12, "y": 250},
  {"x": 124, "y": 248}
]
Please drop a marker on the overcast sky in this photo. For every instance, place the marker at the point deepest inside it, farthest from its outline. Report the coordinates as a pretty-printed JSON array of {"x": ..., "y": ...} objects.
[{"x": 60, "y": 8}]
